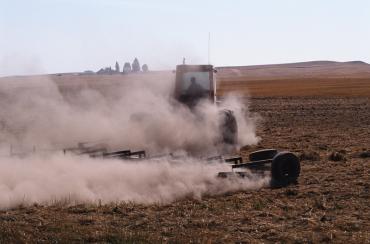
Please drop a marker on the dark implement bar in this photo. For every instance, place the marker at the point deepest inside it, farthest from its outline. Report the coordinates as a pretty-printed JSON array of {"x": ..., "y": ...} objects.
[
  {"x": 118, "y": 153},
  {"x": 140, "y": 154},
  {"x": 252, "y": 165},
  {"x": 232, "y": 174},
  {"x": 236, "y": 160},
  {"x": 94, "y": 151},
  {"x": 126, "y": 154},
  {"x": 215, "y": 158}
]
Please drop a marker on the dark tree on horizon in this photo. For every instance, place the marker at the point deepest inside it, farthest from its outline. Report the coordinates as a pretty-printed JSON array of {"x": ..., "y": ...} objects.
[
  {"x": 117, "y": 67},
  {"x": 136, "y": 65},
  {"x": 127, "y": 67},
  {"x": 145, "y": 68}
]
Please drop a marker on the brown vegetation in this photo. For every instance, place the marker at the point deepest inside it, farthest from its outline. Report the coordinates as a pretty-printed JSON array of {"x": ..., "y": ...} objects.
[
  {"x": 346, "y": 87},
  {"x": 322, "y": 78}
]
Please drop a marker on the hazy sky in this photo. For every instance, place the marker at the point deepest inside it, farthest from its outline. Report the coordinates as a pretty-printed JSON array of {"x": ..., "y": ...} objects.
[{"x": 48, "y": 36}]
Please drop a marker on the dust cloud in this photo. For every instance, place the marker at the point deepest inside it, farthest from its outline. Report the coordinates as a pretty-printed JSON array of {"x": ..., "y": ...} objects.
[
  {"x": 137, "y": 113},
  {"x": 75, "y": 180},
  {"x": 41, "y": 115}
]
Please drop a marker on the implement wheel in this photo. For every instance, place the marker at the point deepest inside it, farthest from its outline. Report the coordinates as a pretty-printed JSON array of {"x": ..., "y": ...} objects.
[{"x": 285, "y": 169}]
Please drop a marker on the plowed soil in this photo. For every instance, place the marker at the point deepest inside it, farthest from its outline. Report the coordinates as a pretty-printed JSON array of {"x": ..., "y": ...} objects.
[{"x": 330, "y": 203}]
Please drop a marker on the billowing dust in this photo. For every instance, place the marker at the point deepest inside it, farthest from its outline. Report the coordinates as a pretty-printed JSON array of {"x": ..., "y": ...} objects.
[
  {"x": 39, "y": 117},
  {"x": 84, "y": 180}
]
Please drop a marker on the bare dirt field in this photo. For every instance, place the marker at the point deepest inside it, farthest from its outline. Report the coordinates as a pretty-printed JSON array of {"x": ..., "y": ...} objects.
[
  {"x": 330, "y": 203},
  {"x": 321, "y": 78},
  {"x": 329, "y": 130}
]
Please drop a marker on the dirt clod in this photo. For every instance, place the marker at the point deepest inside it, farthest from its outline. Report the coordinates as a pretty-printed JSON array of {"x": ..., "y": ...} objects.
[
  {"x": 365, "y": 154},
  {"x": 337, "y": 156},
  {"x": 309, "y": 156}
]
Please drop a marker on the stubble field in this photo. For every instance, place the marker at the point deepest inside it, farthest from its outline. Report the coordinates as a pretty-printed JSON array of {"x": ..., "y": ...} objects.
[{"x": 330, "y": 203}]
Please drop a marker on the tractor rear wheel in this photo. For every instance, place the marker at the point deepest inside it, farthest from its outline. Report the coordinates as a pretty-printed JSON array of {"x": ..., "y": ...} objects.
[{"x": 229, "y": 128}]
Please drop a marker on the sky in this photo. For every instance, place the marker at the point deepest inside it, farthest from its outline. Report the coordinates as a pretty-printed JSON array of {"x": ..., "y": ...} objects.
[{"x": 52, "y": 36}]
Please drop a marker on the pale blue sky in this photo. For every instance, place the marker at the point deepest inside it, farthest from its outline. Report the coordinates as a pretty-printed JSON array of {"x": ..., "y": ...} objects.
[{"x": 47, "y": 36}]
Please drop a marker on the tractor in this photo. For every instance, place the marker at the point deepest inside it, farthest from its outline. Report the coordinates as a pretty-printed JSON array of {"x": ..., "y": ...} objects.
[{"x": 195, "y": 83}]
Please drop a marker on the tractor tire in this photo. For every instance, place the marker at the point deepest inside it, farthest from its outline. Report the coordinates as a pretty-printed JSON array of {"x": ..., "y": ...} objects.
[
  {"x": 229, "y": 128},
  {"x": 285, "y": 169},
  {"x": 262, "y": 154}
]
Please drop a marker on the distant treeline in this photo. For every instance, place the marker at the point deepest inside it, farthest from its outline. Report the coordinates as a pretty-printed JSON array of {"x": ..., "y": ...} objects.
[{"x": 127, "y": 68}]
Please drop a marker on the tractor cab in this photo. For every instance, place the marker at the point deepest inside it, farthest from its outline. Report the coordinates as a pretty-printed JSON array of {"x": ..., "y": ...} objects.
[{"x": 194, "y": 83}]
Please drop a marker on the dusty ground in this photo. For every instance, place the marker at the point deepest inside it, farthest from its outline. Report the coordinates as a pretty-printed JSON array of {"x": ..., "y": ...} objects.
[{"x": 330, "y": 203}]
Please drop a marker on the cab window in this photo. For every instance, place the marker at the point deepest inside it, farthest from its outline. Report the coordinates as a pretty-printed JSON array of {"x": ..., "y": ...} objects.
[{"x": 195, "y": 81}]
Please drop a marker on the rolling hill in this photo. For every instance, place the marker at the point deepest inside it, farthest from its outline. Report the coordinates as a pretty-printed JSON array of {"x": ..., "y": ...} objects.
[{"x": 316, "y": 78}]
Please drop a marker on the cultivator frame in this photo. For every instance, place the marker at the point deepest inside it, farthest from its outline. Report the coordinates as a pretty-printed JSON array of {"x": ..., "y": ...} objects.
[
  {"x": 100, "y": 151},
  {"x": 284, "y": 167}
]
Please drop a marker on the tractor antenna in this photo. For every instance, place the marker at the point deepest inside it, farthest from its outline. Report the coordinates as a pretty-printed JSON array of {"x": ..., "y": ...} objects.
[{"x": 209, "y": 47}]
